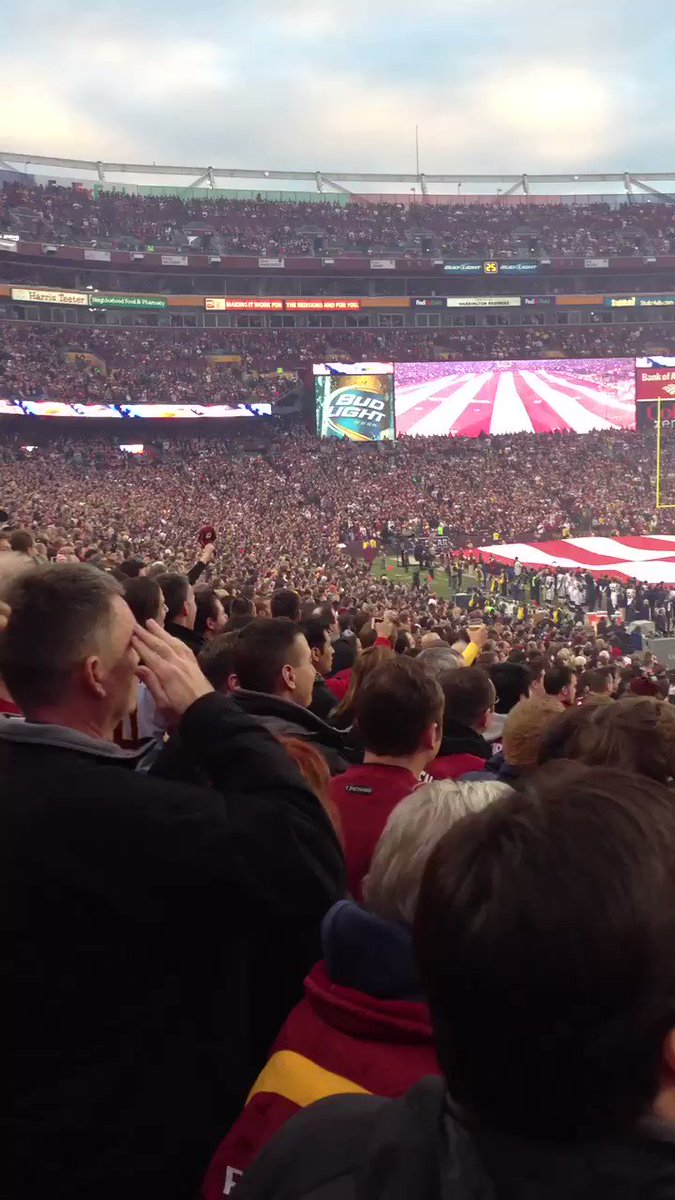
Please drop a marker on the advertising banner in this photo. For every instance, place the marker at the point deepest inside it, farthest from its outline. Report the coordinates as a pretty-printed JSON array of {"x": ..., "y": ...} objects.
[
  {"x": 354, "y": 402},
  {"x": 174, "y": 260},
  {"x": 97, "y": 256},
  {"x": 59, "y": 408},
  {"x": 483, "y": 301},
  {"x": 242, "y": 304},
  {"x": 97, "y": 300},
  {"x": 656, "y": 301},
  {"x": 48, "y": 296},
  {"x": 383, "y": 264},
  {"x": 463, "y": 268},
  {"x": 275, "y": 263},
  {"x": 518, "y": 268},
  {"x": 322, "y": 305}
]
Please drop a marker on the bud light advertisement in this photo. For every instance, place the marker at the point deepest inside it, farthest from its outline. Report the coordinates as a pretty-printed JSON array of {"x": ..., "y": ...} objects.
[{"x": 355, "y": 401}]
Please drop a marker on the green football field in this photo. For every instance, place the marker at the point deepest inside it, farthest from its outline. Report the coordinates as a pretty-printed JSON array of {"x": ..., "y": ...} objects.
[{"x": 439, "y": 585}]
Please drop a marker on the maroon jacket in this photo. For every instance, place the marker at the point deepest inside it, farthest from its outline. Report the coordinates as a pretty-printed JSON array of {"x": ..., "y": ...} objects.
[
  {"x": 364, "y": 796},
  {"x": 371, "y": 1037}
]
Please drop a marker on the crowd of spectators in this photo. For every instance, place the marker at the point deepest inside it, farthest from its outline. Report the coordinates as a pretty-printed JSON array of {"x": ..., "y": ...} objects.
[
  {"x": 171, "y": 365},
  {"x": 282, "y": 503},
  {"x": 264, "y": 227},
  {"x": 419, "y": 919},
  {"x": 124, "y": 366},
  {"x": 316, "y": 884}
]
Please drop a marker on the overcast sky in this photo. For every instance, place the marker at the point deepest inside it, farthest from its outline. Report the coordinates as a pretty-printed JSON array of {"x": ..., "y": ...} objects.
[{"x": 495, "y": 85}]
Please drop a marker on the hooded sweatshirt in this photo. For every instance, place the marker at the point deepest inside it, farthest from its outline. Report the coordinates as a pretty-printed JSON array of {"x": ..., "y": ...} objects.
[{"x": 362, "y": 1028}]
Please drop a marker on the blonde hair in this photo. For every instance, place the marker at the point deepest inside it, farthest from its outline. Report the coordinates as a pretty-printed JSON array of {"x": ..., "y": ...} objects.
[
  {"x": 525, "y": 729},
  {"x": 413, "y": 830},
  {"x": 371, "y": 658}
]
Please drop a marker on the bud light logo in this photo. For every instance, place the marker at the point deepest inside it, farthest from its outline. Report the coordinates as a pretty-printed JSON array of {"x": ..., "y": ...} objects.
[{"x": 359, "y": 414}]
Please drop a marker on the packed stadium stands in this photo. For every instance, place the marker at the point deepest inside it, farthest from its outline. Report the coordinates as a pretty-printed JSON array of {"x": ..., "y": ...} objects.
[
  {"x": 173, "y": 365},
  {"x": 263, "y": 227},
  {"x": 274, "y": 707}
]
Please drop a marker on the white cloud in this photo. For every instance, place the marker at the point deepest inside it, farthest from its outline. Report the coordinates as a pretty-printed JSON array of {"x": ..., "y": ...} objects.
[
  {"x": 310, "y": 83},
  {"x": 150, "y": 68},
  {"x": 547, "y": 112},
  {"x": 39, "y": 117}
]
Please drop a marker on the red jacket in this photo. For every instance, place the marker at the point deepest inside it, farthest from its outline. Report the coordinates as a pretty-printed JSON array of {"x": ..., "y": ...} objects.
[
  {"x": 336, "y": 1041},
  {"x": 365, "y": 796},
  {"x": 453, "y": 766},
  {"x": 339, "y": 683}
]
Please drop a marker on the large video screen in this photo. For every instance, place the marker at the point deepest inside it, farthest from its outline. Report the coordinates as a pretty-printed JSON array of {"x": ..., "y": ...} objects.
[
  {"x": 466, "y": 399},
  {"x": 654, "y": 381},
  {"x": 355, "y": 401},
  {"x": 59, "y": 408}
]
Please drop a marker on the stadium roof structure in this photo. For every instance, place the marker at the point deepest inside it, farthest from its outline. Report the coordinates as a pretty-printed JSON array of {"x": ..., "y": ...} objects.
[{"x": 659, "y": 184}]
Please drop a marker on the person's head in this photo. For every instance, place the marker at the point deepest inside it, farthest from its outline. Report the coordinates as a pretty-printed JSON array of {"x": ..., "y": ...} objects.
[
  {"x": 314, "y": 770},
  {"x": 210, "y": 618},
  {"x": 597, "y": 681},
  {"x": 217, "y": 662},
  {"x": 563, "y": 738},
  {"x": 404, "y": 642},
  {"x": 271, "y": 655},
  {"x": 179, "y": 598},
  {"x": 66, "y": 654},
  {"x": 145, "y": 599},
  {"x": 439, "y": 659},
  {"x": 328, "y": 614},
  {"x": 413, "y": 830},
  {"x": 5, "y": 543},
  {"x": 22, "y": 541},
  {"x": 525, "y": 728},
  {"x": 469, "y": 697},
  {"x": 644, "y": 686},
  {"x": 241, "y": 611},
  {"x": 512, "y": 682},
  {"x": 430, "y": 640},
  {"x": 399, "y": 713},
  {"x": 285, "y": 603},
  {"x": 132, "y": 567},
  {"x": 318, "y": 637},
  {"x": 345, "y": 651},
  {"x": 371, "y": 658},
  {"x": 536, "y": 665},
  {"x": 544, "y": 933},
  {"x": 636, "y": 733},
  {"x": 561, "y": 682}
]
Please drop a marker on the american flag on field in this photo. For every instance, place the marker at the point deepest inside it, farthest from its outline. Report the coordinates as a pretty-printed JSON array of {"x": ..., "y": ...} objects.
[
  {"x": 470, "y": 398},
  {"x": 651, "y": 559}
]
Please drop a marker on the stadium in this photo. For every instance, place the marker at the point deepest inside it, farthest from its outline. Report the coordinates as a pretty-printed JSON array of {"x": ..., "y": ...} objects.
[{"x": 337, "y": 605}]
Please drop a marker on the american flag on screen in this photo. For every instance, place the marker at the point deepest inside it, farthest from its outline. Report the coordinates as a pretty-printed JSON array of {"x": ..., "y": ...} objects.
[
  {"x": 649, "y": 558},
  {"x": 467, "y": 399}
]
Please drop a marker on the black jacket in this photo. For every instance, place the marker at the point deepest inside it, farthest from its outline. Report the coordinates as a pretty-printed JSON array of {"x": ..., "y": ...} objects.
[
  {"x": 188, "y": 636},
  {"x": 462, "y": 739},
  {"x": 130, "y": 911},
  {"x": 323, "y": 700},
  {"x": 283, "y": 718},
  {"x": 366, "y": 1148}
]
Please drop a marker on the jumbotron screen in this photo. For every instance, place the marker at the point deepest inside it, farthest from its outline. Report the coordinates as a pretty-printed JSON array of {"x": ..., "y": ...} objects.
[
  {"x": 355, "y": 401},
  {"x": 655, "y": 381},
  {"x": 60, "y": 408},
  {"x": 466, "y": 399}
]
